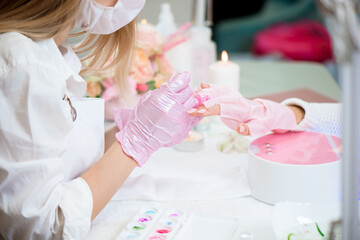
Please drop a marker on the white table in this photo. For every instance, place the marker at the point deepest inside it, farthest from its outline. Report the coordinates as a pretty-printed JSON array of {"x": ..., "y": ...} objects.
[
  {"x": 254, "y": 216},
  {"x": 257, "y": 78}
]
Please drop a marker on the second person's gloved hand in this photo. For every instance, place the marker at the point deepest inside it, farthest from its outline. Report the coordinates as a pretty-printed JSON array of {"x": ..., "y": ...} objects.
[
  {"x": 159, "y": 120},
  {"x": 247, "y": 117}
]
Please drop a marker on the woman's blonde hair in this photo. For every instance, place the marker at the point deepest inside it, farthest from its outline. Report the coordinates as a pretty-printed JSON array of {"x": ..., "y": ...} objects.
[
  {"x": 111, "y": 55},
  {"x": 44, "y": 19},
  {"x": 37, "y": 19}
]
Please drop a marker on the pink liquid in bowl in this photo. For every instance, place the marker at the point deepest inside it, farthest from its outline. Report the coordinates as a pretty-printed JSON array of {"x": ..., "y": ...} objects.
[{"x": 298, "y": 148}]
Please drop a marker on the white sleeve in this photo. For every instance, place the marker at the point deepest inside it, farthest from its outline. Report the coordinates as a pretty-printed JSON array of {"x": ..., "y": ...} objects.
[
  {"x": 35, "y": 200},
  {"x": 319, "y": 117},
  {"x": 97, "y": 19}
]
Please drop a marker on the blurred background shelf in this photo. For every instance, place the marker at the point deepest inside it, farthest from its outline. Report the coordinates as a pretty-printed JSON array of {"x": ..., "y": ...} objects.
[{"x": 236, "y": 33}]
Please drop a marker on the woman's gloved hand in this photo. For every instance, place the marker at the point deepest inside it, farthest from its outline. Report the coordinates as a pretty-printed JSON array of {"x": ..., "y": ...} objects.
[
  {"x": 159, "y": 120},
  {"x": 247, "y": 117}
]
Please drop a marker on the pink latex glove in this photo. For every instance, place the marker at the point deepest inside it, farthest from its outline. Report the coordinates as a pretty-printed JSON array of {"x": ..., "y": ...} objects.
[
  {"x": 159, "y": 120},
  {"x": 260, "y": 116}
]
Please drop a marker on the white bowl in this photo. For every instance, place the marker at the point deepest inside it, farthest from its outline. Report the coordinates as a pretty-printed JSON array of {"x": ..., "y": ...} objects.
[{"x": 301, "y": 167}]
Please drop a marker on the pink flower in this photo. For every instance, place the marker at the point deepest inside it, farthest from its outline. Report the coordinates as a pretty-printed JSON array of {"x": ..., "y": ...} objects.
[
  {"x": 110, "y": 93},
  {"x": 149, "y": 39},
  {"x": 108, "y": 82},
  {"x": 142, "y": 70},
  {"x": 93, "y": 89},
  {"x": 142, "y": 87},
  {"x": 162, "y": 65},
  {"x": 149, "y": 70}
]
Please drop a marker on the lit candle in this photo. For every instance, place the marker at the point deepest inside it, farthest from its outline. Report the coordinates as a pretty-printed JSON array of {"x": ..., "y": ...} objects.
[
  {"x": 225, "y": 73},
  {"x": 143, "y": 21}
]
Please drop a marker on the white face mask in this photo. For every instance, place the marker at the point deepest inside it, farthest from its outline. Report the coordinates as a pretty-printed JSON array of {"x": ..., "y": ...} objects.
[{"x": 97, "y": 19}]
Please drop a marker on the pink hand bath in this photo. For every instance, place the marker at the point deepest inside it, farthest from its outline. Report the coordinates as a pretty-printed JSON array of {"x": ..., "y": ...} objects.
[{"x": 296, "y": 166}]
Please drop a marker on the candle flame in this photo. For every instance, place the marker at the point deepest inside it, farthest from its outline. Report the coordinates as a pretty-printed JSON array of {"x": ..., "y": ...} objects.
[
  {"x": 143, "y": 21},
  {"x": 224, "y": 56}
]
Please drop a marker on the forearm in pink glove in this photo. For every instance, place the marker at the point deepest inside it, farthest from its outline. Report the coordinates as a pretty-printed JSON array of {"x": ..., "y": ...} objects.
[
  {"x": 260, "y": 115},
  {"x": 159, "y": 120}
]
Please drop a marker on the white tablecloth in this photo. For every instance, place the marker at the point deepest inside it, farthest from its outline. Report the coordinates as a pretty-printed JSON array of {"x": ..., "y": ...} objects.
[{"x": 204, "y": 182}]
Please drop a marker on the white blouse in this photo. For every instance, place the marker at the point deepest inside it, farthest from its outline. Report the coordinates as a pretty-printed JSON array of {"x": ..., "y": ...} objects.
[
  {"x": 319, "y": 117},
  {"x": 42, "y": 151}
]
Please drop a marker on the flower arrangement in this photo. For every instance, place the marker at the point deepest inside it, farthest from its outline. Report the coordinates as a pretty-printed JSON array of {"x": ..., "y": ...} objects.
[{"x": 150, "y": 68}]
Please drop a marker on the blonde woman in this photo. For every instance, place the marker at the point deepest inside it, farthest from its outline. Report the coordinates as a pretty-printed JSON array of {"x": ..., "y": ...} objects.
[{"x": 54, "y": 177}]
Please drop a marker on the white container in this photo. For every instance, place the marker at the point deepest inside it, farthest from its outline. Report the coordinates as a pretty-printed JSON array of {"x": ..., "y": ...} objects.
[
  {"x": 179, "y": 56},
  {"x": 166, "y": 24},
  {"x": 203, "y": 54},
  {"x": 301, "y": 167}
]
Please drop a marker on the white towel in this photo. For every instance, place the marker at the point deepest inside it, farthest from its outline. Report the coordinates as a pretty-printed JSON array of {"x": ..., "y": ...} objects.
[{"x": 172, "y": 175}]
